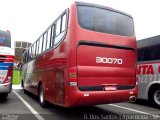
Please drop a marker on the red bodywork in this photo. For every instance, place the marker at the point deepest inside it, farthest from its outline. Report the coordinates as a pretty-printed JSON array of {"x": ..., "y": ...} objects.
[{"x": 74, "y": 62}]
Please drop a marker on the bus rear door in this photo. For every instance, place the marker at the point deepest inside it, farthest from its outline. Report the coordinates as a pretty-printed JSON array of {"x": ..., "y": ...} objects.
[{"x": 102, "y": 67}]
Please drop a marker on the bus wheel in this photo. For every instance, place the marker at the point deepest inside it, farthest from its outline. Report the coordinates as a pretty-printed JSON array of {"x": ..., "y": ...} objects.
[
  {"x": 155, "y": 96},
  {"x": 22, "y": 84},
  {"x": 41, "y": 97}
]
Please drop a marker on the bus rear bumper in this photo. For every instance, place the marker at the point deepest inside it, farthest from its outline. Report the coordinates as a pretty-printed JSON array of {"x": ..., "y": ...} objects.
[
  {"x": 79, "y": 98},
  {"x": 5, "y": 88}
]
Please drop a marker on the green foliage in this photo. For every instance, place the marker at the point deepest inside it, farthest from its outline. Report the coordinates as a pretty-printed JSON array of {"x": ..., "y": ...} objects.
[{"x": 16, "y": 77}]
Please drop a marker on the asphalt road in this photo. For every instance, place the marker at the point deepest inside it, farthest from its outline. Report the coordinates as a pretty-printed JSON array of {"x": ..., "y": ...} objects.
[{"x": 20, "y": 106}]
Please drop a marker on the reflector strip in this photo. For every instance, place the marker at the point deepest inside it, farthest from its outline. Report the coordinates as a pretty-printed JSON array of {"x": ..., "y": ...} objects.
[{"x": 73, "y": 83}]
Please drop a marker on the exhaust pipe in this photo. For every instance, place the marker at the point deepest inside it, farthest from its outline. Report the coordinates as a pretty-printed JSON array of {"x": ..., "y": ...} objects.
[{"x": 132, "y": 99}]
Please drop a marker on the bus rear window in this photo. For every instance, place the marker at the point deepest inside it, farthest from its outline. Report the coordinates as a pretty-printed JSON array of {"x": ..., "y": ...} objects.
[
  {"x": 5, "y": 40},
  {"x": 106, "y": 21}
]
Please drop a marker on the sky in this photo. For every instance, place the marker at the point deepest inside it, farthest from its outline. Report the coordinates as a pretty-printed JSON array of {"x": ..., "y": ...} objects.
[{"x": 28, "y": 19}]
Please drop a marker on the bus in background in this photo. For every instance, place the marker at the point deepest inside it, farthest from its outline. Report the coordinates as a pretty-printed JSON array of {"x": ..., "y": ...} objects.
[
  {"x": 87, "y": 56},
  {"x": 148, "y": 69},
  {"x": 6, "y": 63}
]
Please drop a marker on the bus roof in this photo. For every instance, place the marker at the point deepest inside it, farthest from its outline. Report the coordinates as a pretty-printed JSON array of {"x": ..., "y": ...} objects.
[
  {"x": 155, "y": 40},
  {"x": 101, "y": 6},
  {"x": 5, "y": 32}
]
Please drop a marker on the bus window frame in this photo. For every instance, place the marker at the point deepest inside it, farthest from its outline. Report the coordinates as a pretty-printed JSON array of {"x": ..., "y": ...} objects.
[
  {"x": 52, "y": 38},
  {"x": 44, "y": 42},
  {"x": 66, "y": 28}
]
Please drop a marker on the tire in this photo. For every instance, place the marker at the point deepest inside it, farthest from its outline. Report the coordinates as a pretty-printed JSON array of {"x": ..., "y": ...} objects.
[
  {"x": 22, "y": 84},
  {"x": 24, "y": 91},
  {"x": 4, "y": 95},
  {"x": 42, "y": 101},
  {"x": 155, "y": 96}
]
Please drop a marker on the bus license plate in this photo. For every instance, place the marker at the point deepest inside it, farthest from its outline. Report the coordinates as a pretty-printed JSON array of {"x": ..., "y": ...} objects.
[{"x": 110, "y": 88}]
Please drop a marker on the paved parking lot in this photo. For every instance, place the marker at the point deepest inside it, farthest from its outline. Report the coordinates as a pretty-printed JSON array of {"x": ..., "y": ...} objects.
[{"x": 20, "y": 106}]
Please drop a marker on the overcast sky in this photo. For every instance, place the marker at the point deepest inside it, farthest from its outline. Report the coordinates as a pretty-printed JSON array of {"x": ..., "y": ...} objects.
[{"x": 27, "y": 19}]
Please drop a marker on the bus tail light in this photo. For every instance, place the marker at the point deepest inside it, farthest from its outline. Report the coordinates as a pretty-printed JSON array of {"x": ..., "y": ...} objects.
[
  {"x": 137, "y": 80},
  {"x": 73, "y": 76},
  {"x": 9, "y": 75},
  {"x": 8, "y": 79}
]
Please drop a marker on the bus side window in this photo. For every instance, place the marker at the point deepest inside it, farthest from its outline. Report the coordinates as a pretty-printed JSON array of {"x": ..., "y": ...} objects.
[
  {"x": 33, "y": 50},
  {"x": 52, "y": 35},
  {"x": 30, "y": 54},
  {"x": 44, "y": 41},
  {"x": 37, "y": 48},
  {"x": 27, "y": 57},
  {"x": 155, "y": 52},
  {"x": 40, "y": 45},
  {"x": 144, "y": 54},
  {"x": 24, "y": 57},
  {"x": 60, "y": 29},
  {"x": 64, "y": 17},
  {"x": 48, "y": 38}
]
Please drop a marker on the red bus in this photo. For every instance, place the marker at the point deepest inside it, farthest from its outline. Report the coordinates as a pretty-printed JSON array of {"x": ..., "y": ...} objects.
[{"x": 87, "y": 56}]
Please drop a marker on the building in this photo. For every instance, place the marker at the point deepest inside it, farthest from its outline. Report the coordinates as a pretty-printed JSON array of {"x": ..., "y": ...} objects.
[{"x": 20, "y": 47}]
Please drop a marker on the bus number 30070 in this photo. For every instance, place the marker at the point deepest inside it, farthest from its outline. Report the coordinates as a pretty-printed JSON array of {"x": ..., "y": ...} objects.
[{"x": 109, "y": 60}]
